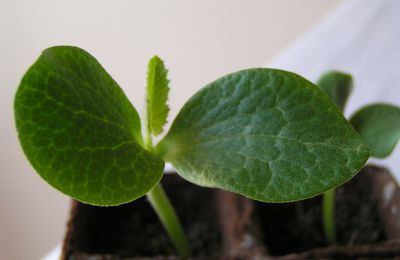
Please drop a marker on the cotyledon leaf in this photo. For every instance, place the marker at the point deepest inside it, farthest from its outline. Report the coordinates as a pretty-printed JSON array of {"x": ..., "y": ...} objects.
[
  {"x": 80, "y": 132},
  {"x": 338, "y": 86},
  {"x": 267, "y": 134},
  {"x": 379, "y": 125}
]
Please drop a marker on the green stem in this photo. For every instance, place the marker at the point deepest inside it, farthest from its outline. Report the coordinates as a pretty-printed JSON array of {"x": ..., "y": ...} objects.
[
  {"x": 329, "y": 215},
  {"x": 166, "y": 213}
]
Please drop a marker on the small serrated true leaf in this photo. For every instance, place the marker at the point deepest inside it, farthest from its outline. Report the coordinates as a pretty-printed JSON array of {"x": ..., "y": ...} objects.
[
  {"x": 80, "y": 132},
  {"x": 379, "y": 125},
  {"x": 157, "y": 96},
  {"x": 267, "y": 134},
  {"x": 338, "y": 86}
]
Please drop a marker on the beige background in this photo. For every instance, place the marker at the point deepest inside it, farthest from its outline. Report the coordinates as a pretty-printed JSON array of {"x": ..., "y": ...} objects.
[{"x": 199, "y": 40}]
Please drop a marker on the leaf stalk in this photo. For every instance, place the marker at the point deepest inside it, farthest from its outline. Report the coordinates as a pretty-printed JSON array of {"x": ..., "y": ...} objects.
[
  {"x": 167, "y": 215},
  {"x": 328, "y": 203}
]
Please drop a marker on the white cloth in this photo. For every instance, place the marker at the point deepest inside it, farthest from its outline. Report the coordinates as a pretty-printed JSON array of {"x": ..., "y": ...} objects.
[
  {"x": 359, "y": 37},
  {"x": 54, "y": 254}
]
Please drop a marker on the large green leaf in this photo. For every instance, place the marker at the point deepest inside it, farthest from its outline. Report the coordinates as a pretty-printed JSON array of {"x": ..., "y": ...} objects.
[
  {"x": 157, "y": 96},
  {"x": 337, "y": 85},
  {"x": 267, "y": 134},
  {"x": 80, "y": 132},
  {"x": 379, "y": 125}
]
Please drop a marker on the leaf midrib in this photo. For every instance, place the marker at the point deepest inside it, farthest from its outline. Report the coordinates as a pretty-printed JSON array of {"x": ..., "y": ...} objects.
[
  {"x": 84, "y": 112},
  {"x": 222, "y": 137}
]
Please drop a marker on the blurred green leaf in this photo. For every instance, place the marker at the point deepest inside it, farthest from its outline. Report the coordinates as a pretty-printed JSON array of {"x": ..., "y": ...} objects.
[
  {"x": 379, "y": 125},
  {"x": 338, "y": 86}
]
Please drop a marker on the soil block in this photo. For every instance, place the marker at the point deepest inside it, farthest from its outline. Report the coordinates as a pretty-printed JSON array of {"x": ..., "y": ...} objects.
[
  {"x": 133, "y": 230},
  {"x": 367, "y": 219},
  {"x": 223, "y": 225}
]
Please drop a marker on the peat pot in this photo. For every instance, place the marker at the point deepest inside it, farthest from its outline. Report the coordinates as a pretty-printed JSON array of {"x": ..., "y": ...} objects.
[{"x": 223, "y": 225}]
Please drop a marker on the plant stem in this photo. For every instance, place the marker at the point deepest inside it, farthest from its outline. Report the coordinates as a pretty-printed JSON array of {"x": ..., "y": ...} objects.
[
  {"x": 329, "y": 215},
  {"x": 166, "y": 213},
  {"x": 161, "y": 204}
]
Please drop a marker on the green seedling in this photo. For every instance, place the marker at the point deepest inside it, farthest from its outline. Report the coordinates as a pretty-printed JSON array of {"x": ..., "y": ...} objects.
[
  {"x": 378, "y": 124},
  {"x": 267, "y": 134}
]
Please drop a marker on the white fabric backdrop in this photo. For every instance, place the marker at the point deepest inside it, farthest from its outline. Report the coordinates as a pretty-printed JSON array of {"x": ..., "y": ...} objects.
[{"x": 359, "y": 37}]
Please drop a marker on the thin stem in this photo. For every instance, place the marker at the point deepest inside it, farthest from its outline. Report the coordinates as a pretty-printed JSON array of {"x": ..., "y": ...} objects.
[
  {"x": 149, "y": 142},
  {"x": 329, "y": 215},
  {"x": 167, "y": 215},
  {"x": 166, "y": 212}
]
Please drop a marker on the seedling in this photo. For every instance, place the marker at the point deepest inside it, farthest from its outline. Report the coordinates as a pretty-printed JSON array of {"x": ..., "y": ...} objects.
[
  {"x": 378, "y": 124},
  {"x": 267, "y": 134}
]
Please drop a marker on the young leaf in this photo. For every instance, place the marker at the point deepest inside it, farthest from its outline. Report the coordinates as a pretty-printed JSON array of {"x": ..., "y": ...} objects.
[
  {"x": 157, "y": 96},
  {"x": 379, "y": 125},
  {"x": 338, "y": 86},
  {"x": 267, "y": 134},
  {"x": 80, "y": 132}
]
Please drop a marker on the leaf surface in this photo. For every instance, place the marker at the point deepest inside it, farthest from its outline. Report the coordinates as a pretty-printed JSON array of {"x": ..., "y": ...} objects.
[
  {"x": 80, "y": 132},
  {"x": 267, "y": 134},
  {"x": 338, "y": 86},
  {"x": 157, "y": 96},
  {"x": 379, "y": 125}
]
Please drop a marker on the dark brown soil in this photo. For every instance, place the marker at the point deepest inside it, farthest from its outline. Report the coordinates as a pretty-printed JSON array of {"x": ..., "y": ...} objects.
[
  {"x": 120, "y": 232},
  {"x": 361, "y": 213}
]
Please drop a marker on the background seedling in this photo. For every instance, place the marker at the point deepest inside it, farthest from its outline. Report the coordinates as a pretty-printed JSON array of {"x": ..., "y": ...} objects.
[
  {"x": 378, "y": 124},
  {"x": 267, "y": 134}
]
